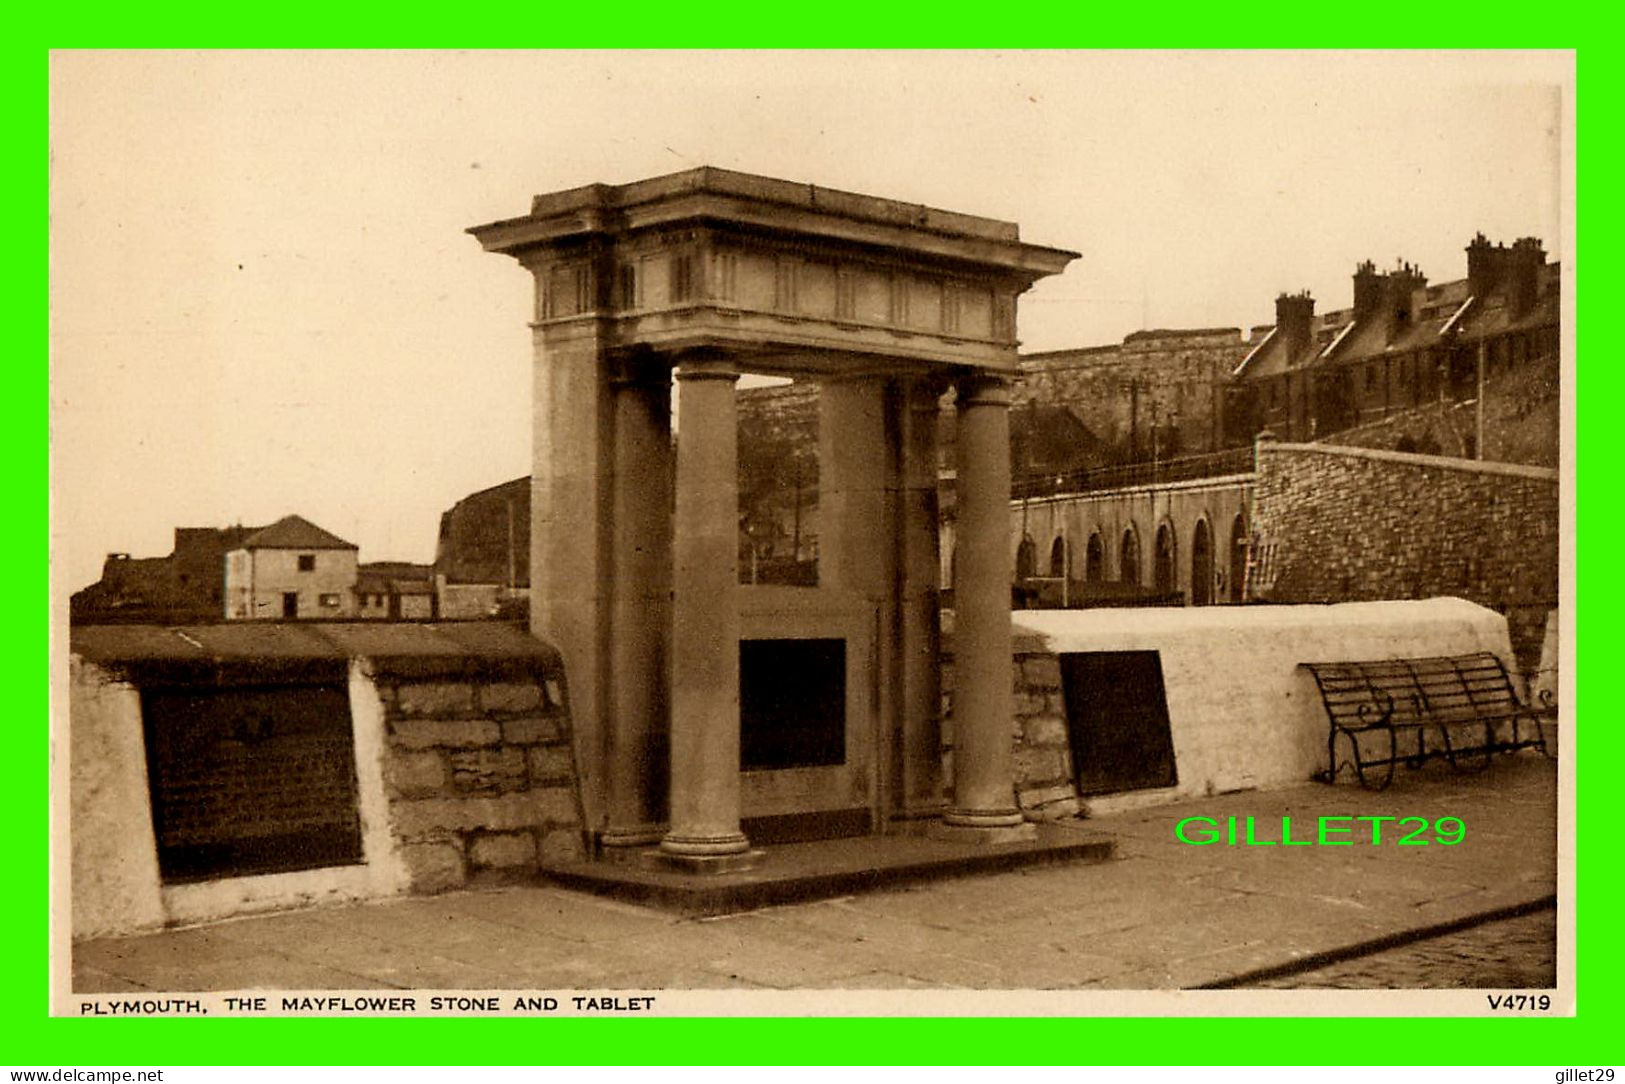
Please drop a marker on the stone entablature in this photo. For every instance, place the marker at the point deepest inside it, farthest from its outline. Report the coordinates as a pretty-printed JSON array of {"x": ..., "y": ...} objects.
[{"x": 711, "y": 258}]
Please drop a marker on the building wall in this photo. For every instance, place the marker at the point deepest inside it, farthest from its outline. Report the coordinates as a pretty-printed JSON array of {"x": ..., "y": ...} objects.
[
  {"x": 1176, "y": 373},
  {"x": 1346, "y": 524},
  {"x": 257, "y": 579},
  {"x": 472, "y": 601}
]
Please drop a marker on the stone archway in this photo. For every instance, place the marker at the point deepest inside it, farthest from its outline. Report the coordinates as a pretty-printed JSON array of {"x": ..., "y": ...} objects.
[
  {"x": 1128, "y": 560},
  {"x": 1164, "y": 574},
  {"x": 1238, "y": 558},
  {"x": 1060, "y": 560},
  {"x": 1201, "y": 565},
  {"x": 1026, "y": 559}
]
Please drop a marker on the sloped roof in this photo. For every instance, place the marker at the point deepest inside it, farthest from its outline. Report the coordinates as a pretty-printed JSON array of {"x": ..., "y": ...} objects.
[
  {"x": 1442, "y": 311},
  {"x": 295, "y": 533}
]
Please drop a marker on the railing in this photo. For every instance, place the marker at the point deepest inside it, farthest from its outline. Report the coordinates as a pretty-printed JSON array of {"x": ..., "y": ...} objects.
[{"x": 1179, "y": 469}]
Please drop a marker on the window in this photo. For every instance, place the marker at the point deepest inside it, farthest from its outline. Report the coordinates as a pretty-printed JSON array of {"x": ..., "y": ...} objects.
[
  {"x": 330, "y": 601},
  {"x": 629, "y": 286},
  {"x": 307, "y": 562}
]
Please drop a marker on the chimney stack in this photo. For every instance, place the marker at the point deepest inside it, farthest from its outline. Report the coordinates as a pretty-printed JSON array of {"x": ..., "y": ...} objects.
[
  {"x": 1486, "y": 266},
  {"x": 1386, "y": 296},
  {"x": 1367, "y": 290},
  {"x": 1524, "y": 261},
  {"x": 1403, "y": 282},
  {"x": 1294, "y": 314}
]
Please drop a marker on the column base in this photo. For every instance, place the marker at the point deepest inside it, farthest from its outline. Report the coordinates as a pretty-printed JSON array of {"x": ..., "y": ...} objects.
[
  {"x": 624, "y": 844},
  {"x": 706, "y": 864},
  {"x": 983, "y": 826}
]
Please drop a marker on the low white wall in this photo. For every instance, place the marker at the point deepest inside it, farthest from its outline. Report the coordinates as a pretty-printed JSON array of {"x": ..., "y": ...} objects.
[
  {"x": 116, "y": 887},
  {"x": 114, "y": 884},
  {"x": 381, "y": 872},
  {"x": 1241, "y": 713}
]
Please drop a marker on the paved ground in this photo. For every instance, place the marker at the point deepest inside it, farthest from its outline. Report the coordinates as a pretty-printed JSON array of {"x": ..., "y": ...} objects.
[
  {"x": 1161, "y": 915},
  {"x": 1516, "y": 954}
]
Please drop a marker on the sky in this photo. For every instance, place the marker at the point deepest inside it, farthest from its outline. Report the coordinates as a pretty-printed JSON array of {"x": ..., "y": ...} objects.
[{"x": 263, "y": 300}]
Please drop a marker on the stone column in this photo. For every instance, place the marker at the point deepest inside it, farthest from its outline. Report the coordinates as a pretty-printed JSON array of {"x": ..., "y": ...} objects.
[
  {"x": 984, "y": 808},
  {"x": 918, "y": 756},
  {"x": 570, "y": 530},
  {"x": 636, "y": 735},
  {"x": 705, "y": 835}
]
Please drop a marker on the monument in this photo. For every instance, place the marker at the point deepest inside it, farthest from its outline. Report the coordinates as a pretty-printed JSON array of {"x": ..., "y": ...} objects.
[{"x": 699, "y": 277}]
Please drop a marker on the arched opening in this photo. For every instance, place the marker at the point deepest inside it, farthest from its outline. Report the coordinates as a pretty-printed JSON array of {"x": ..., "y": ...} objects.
[
  {"x": 1026, "y": 559},
  {"x": 1058, "y": 558},
  {"x": 1238, "y": 558},
  {"x": 1163, "y": 570},
  {"x": 1094, "y": 560},
  {"x": 1128, "y": 568},
  {"x": 1201, "y": 565}
]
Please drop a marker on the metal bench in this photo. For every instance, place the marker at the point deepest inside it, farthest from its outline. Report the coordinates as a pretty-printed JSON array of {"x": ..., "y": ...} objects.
[{"x": 1460, "y": 708}]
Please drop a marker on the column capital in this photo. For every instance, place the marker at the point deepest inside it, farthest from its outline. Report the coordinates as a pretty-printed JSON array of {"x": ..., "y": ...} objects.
[
  {"x": 924, "y": 392},
  {"x": 985, "y": 389},
  {"x": 706, "y": 368},
  {"x": 644, "y": 369}
]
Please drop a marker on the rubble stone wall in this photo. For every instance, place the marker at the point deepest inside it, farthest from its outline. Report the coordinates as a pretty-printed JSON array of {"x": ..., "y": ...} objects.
[
  {"x": 1338, "y": 524},
  {"x": 479, "y": 775}
]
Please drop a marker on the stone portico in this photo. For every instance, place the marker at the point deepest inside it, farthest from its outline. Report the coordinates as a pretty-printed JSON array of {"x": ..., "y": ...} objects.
[{"x": 695, "y": 279}]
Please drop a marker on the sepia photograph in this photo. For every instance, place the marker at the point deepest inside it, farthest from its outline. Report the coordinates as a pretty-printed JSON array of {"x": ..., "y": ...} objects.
[{"x": 811, "y": 533}]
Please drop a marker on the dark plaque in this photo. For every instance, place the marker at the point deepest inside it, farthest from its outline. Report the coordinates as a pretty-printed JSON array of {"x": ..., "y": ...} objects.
[
  {"x": 792, "y": 704},
  {"x": 251, "y": 780},
  {"x": 1117, "y": 719}
]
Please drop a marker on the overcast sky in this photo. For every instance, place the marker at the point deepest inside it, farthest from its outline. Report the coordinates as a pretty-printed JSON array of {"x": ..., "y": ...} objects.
[{"x": 264, "y": 301}]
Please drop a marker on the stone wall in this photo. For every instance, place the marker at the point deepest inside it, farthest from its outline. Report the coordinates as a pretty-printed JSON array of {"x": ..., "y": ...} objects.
[
  {"x": 479, "y": 774},
  {"x": 1522, "y": 421},
  {"x": 1344, "y": 524},
  {"x": 1178, "y": 374}
]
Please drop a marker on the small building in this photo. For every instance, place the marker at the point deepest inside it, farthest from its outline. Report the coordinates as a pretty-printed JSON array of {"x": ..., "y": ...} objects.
[
  {"x": 291, "y": 569},
  {"x": 395, "y": 591},
  {"x": 186, "y": 586}
]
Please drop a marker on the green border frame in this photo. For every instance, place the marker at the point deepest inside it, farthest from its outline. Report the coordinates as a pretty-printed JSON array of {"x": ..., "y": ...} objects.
[{"x": 33, "y": 1038}]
